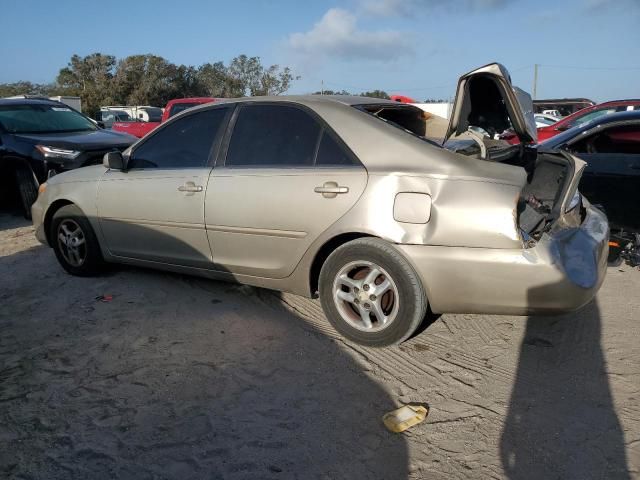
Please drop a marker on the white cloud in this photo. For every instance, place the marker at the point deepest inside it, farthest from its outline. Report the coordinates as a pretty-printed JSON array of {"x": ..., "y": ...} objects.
[
  {"x": 337, "y": 34},
  {"x": 596, "y": 5},
  {"x": 413, "y": 7}
]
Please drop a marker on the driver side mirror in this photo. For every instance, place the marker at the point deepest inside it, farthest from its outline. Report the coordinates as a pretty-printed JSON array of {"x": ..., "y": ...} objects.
[{"x": 114, "y": 160}]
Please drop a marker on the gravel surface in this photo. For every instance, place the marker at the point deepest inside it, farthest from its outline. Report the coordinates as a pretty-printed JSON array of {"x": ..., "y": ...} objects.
[{"x": 178, "y": 377}]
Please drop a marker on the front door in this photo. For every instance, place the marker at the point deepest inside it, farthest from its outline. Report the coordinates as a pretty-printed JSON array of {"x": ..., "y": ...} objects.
[
  {"x": 285, "y": 180},
  {"x": 612, "y": 176},
  {"x": 155, "y": 209}
]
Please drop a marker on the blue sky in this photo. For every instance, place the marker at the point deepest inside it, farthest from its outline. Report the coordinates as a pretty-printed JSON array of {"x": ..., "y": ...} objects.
[{"x": 586, "y": 48}]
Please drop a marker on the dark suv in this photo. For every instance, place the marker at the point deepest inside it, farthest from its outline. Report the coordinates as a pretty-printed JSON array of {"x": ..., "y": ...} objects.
[{"x": 39, "y": 138}]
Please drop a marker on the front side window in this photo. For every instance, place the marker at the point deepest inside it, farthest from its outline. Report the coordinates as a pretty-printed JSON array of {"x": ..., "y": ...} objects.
[
  {"x": 43, "y": 118},
  {"x": 185, "y": 143}
]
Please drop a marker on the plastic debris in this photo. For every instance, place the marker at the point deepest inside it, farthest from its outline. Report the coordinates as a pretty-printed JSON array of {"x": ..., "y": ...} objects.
[
  {"x": 104, "y": 298},
  {"x": 405, "y": 417}
]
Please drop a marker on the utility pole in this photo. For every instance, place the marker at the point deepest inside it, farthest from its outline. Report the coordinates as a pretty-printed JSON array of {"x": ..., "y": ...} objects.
[
  {"x": 321, "y": 87},
  {"x": 535, "y": 81}
]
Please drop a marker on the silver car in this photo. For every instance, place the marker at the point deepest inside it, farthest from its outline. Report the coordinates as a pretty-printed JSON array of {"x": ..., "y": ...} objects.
[{"x": 348, "y": 199}]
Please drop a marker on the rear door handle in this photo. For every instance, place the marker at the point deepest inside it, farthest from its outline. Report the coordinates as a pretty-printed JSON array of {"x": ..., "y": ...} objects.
[
  {"x": 189, "y": 188},
  {"x": 331, "y": 189}
]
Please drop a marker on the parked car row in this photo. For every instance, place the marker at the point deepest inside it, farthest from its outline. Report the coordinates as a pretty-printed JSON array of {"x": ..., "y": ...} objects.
[
  {"x": 141, "y": 128},
  {"x": 40, "y": 138},
  {"x": 586, "y": 115},
  {"x": 347, "y": 199}
]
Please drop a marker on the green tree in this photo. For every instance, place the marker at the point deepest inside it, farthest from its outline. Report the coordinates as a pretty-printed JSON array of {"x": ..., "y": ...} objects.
[
  {"x": 254, "y": 79},
  {"x": 148, "y": 80},
  {"x": 216, "y": 81},
  {"x": 25, "y": 88},
  {"x": 90, "y": 78},
  {"x": 331, "y": 92},
  {"x": 376, "y": 94}
]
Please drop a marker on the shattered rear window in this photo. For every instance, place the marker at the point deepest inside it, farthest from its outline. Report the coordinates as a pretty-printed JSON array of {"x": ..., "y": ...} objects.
[{"x": 408, "y": 118}]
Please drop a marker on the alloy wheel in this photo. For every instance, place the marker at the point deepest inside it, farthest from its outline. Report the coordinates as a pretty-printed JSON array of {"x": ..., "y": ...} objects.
[
  {"x": 366, "y": 296},
  {"x": 72, "y": 242}
]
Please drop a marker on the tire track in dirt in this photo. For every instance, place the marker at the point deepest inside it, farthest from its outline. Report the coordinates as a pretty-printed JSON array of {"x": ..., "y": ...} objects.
[{"x": 401, "y": 361}]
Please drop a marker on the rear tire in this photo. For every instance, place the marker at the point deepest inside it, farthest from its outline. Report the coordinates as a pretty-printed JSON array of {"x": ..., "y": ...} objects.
[
  {"x": 368, "y": 278},
  {"x": 27, "y": 188},
  {"x": 75, "y": 243}
]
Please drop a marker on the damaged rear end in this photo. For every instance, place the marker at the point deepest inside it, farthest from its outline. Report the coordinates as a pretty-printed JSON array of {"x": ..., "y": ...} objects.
[
  {"x": 563, "y": 258},
  {"x": 558, "y": 226},
  {"x": 552, "y": 213}
]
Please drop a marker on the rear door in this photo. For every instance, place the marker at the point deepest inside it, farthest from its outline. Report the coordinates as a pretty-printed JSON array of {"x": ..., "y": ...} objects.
[
  {"x": 286, "y": 177},
  {"x": 155, "y": 210}
]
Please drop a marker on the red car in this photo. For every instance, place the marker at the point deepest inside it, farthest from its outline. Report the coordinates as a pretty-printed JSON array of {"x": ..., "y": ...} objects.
[
  {"x": 402, "y": 99},
  {"x": 175, "y": 106},
  {"x": 585, "y": 115}
]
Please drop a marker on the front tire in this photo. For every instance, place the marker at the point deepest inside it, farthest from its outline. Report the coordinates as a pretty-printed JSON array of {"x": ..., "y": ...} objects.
[
  {"x": 371, "y": 294},
  {"x": 27, "y": 188},
  {"x": 75, "y": 243}
]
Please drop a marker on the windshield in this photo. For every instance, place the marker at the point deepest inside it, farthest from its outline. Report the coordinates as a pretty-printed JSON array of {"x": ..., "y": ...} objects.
[
  {"x": 43, "y": 118},
  {"x": 180, "y": 107},
  {"x": 545, "y": 120},
  {"x": 586, "y": 118},
  {"x": 566, "y": 136}
]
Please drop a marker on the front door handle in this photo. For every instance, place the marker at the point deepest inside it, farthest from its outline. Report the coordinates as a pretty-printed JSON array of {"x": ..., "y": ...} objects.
[
  {"x": 189, "y": 188},
  {"x": 331, "y": 189}
]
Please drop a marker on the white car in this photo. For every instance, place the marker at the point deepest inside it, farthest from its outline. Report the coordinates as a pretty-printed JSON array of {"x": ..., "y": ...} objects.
[
  {"x": 554, "y": 113},
  {"x": 544, "y": 120}
]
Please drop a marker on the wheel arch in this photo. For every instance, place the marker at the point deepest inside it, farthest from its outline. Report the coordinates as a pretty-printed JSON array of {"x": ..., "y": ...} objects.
[
  {"x": 51, "y": 211},
  {"x": 323, "y": 253}
]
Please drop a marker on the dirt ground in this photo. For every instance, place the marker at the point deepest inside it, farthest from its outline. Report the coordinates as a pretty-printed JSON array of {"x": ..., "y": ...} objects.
[{"x": 179, "y": 378}]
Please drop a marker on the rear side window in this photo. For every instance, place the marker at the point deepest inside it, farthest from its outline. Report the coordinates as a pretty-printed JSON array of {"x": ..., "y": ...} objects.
[
  {"x": 273, "y": 135},
  {"x": 406, "y": 117},
  {"x": 185, "y": 143},
  {"x": 331, "y": 153}
]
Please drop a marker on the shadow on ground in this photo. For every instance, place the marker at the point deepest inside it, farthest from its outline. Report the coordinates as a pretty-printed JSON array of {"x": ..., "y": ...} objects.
[
  {"x": 561, "y": 422},
  {"x": 175, "y": 377}
]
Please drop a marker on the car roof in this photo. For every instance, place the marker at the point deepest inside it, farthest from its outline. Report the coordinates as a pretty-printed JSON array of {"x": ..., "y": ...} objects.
[
  {"x": 349, "y": 100},
  {"x": 191, "y": 99},
  {"x": 28, "y": 101},
  {"x": 631, "y": 101}
]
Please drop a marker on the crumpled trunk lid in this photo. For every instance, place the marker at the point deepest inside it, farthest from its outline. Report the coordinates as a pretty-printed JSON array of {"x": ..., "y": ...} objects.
[
  {"x": 550, "y": 198},
  {"x": 485, "y": 98}
]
